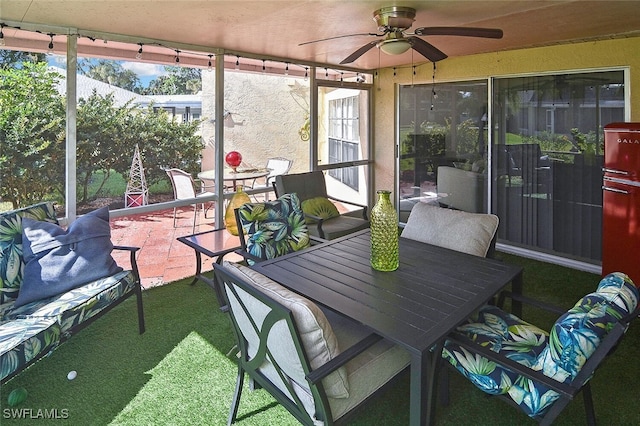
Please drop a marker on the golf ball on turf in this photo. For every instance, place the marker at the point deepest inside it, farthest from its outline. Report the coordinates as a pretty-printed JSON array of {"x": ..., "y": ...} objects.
[{"x": 72, "y": 375}]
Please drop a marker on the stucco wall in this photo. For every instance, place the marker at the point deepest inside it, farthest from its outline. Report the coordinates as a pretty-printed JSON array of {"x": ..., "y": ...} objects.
[
  {"x": 571, "y": 57},
  {"x": 266, "y": 114}
]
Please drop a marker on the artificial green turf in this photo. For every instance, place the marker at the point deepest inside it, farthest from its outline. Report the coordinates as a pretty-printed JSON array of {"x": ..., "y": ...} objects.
[{"x": 178, "y": 372}]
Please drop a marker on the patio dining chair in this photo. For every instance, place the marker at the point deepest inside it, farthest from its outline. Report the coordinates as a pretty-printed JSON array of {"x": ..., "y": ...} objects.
[
  {"x": 540, "y": 372},
  {"x": 318, "y": 365},
  {"x": 184, "y": 188},
  {"x": 473, "y": 233},
  {"x": 322, "y": 216}
]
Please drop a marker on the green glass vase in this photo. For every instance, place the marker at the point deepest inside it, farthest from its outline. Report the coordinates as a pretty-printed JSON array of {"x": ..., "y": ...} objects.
[
  {"x": 238, "y": 199},
  {"x": 384, "y": 234}
]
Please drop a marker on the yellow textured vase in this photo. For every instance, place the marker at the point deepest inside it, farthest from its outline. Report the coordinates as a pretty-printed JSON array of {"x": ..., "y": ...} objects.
[{"x": 238, "y": 199}]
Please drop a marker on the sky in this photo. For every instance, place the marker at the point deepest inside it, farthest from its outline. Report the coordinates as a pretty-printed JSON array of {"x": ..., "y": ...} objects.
[{"x": 146, "y": 72}]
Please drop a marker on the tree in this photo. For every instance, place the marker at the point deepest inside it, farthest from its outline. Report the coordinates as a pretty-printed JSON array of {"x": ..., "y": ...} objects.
[
  {"x": 14, "y": 58},
  {"x": 32, "y": 138},
  {"x": 107, "y": 135},
  {"x": 178, "y": 81},
  {"x": 31, "y": 134},
  {"x": 110, "y": 72}
]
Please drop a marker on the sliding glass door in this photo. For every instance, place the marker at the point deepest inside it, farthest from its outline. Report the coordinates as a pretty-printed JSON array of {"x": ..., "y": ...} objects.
[
  {"x": 548, "y": 153},
  {"x": 443, "y": 146}
]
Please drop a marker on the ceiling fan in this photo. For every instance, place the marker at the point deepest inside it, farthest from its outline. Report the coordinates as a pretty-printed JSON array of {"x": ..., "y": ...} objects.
[{"x": 394, "y": 21}]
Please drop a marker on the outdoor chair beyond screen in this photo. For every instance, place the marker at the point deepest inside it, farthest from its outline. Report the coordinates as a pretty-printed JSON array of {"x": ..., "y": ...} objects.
[
  {"x": 321, "y": 214},
  {"x": 184, "y": 188},
  {"x": 318, "y": 365},
  {"x": 277, "y": 166},
  {"x": 542, "y": 372}
]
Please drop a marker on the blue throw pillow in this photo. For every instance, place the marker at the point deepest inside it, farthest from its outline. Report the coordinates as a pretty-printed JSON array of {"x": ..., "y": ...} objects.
[{"x": 57, "y": 261}]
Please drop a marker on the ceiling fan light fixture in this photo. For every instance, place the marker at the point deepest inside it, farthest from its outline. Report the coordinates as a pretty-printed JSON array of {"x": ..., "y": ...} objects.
[{"x": 394, "y": 46}]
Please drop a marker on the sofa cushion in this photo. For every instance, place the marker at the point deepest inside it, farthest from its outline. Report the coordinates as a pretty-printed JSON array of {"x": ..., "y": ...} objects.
[
  {"x": 79, "y": 304},
  {"x": 11, "y": 260},
  {"x": 320, "y": 207},
  {"x": 318, "y": 339},
  {"x": 57, "y": 260},
  {"x": 25, "y": 339},
  {"x": 457, "y": 230}
]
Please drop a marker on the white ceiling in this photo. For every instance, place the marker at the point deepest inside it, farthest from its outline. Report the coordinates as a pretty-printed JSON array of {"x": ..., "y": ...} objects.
[{"x": 276, "y": 28}]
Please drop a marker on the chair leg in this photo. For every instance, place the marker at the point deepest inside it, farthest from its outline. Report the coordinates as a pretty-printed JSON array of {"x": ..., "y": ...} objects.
[
  {"x": 195, "y": 218},
  {"x": 588, "y": 405},
  {"x": 236, "y": 397},
  {"x": 444, "y": 385},
  {"x": 174, "y": 217}
]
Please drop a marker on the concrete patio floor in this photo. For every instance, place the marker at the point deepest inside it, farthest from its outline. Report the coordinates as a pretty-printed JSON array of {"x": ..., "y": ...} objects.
[{"x": 161, "y": 258}]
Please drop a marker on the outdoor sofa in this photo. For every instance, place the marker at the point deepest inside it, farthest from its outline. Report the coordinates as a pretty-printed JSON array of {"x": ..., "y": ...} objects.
[{"x": 39, "y": 261}]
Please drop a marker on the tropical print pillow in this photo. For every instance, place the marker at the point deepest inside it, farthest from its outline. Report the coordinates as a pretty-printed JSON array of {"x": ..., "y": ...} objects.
[
  {"x": 274, "y": 228},
  {"x": 560, "y": 355},
  {"x": 11, "y": 259}
]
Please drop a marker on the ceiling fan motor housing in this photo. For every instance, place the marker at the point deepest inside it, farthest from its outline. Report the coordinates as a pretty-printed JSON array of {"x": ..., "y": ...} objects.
[{"x": 394, "y": 18}]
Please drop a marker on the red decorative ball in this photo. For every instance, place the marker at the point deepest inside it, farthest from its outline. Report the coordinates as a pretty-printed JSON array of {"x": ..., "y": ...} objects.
[{"x": 233, "y": 159}]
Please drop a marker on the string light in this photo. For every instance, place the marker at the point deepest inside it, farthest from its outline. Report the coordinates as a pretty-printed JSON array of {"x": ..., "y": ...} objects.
[
  {"x": 2, "y": 41},
  {"x": 209, "y": 66},
  {"x": 433, "y": 86},
  {"x": 394, "y": 72},
  {"x": 50, "y": 47},
  {"x": 326, "y": 73},
  {"x": 286, "y": 69},
  {"x": 139, "y": 54},
  {"x": 177, "y": 56},
  {"x": 306, "y": 73},
  {"x": 264, "y": 69},
  {"x": 237, "y": 62}
]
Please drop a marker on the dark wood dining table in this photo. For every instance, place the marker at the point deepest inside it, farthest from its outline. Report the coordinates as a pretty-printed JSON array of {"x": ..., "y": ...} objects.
[{"x": 433, "y": 291}]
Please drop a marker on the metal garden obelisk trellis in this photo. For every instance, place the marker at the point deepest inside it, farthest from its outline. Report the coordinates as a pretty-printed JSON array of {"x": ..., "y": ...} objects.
[{"x": 137, "y": 192}]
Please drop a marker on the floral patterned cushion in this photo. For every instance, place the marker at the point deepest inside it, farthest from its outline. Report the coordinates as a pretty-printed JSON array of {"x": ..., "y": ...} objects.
[
  {"x": 274, "y": 228},
  {"x": 77, "y": 305},
  {"x": 25, "y": 339},
  {"x": 573, "y": 338},
  {"x": 11, "y": 260}
]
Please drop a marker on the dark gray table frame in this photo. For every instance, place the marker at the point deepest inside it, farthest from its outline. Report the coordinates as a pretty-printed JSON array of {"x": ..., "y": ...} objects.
[
  {"x": 215, "y": 244},
  {"x": 416, "y": 306}
]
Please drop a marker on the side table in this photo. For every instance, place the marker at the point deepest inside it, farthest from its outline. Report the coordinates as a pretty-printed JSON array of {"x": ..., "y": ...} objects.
[{"x": 215, "y": 244}]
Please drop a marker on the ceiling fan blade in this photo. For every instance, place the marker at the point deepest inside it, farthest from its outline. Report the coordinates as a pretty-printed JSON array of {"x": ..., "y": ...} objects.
[
  {"x": 341, "y": 36},
  {"x": 427, "y": 50},
  {"x": 355, "y": 55},
  {"x": 460, "y": 31}
]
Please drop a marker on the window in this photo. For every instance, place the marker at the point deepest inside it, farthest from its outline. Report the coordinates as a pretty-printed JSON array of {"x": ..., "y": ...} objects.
[{"x": 344, "y": 138}]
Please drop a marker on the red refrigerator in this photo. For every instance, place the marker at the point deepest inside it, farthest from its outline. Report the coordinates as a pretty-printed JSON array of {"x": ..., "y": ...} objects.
[{"x": 621, "y": 200}]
